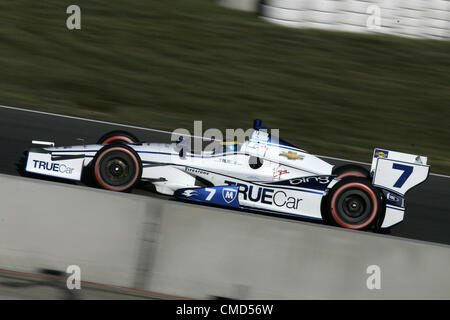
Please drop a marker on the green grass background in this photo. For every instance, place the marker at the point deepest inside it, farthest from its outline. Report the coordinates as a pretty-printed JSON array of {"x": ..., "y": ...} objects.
[{"x": 164, "y": 64}]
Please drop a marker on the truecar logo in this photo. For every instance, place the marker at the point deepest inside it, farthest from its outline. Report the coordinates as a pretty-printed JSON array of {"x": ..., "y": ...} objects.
[{"x": 55, "y": 167}]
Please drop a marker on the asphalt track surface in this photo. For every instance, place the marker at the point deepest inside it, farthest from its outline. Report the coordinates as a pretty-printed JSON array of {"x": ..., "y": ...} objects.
[{"x": 427, "y": 215}]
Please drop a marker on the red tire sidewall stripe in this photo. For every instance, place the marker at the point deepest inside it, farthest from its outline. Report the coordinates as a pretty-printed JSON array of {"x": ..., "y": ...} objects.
[
  {"x": 351, "y": 174},
  {"x": 352, "y": 185},
  {"x": 122, "y": 138},
  {"x": 97, "y": 171}
]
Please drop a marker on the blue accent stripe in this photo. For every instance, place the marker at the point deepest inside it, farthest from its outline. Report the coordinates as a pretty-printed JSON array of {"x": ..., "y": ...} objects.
[
  {"x": 193, "y": 156},
  {"x": 384, "y": 228},
  {"x": 215, "y": 156},
  {"x": 287, "y": 147},
  {"x": 270, "y": 143},
  {"x": 303, "y": 190}
]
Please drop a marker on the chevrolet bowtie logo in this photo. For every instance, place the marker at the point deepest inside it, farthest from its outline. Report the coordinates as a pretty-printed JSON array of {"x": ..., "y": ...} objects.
[{"x": 291, "y": 155}]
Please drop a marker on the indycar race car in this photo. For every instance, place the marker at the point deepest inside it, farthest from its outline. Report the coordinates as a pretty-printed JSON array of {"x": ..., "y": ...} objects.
[{"x": 261, "y": 174}]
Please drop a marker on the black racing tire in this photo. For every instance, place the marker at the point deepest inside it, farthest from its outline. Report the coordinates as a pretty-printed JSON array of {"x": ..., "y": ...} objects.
[
  {"x": 351, "y": 170},
  {"x": 353, "y": 203},
  {"x": 117, "y": 168},
  {"x": 118, "y": 137}
]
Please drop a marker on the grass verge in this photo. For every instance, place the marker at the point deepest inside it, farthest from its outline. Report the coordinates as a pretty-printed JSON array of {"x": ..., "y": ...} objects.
[{"x": 164, "y": 64}]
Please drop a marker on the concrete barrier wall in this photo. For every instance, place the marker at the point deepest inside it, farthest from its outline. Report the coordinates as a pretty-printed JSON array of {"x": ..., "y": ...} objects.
[
  {"x": 411, "y": 18},
  {"x": 204, "y": 252},
  {"x": 50, "y": 225},
  {"x": 199, "y": 252}
]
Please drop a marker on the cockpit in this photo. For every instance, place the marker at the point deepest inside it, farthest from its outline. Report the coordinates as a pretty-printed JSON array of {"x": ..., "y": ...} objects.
[{"x": 229, "y": 146}]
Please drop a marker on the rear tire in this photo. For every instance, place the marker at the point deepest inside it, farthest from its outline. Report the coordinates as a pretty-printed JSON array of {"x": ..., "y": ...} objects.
[
  {"x": 353, "y": 203},
  {"x": 351, "y": 170},
  {"x": 118, "y": 137},
  {"x": 117, "y": 168}
]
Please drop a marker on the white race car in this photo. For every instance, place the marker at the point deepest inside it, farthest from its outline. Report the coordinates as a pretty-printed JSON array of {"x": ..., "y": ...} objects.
[{"x": 262, "y": 174}]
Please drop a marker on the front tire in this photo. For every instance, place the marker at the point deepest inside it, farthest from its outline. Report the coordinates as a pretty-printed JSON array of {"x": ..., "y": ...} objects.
[
  {"x": 353, "y": 203},
  {"x": 117, "y": 168}
]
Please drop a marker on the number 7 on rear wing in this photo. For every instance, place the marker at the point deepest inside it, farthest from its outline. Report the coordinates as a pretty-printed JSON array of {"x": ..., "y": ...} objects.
[{"x": 398, "y": 172}]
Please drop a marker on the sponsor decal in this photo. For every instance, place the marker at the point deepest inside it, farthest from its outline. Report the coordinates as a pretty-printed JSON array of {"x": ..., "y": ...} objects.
[
  {"x": 292, "y": 155},
  {"x": 189, "y": 193},
  {"x": 269, "y": 196},
  {"x": 394, "y": 199},
  {"x": 319, "y": 183},
  {"x": 319, "y": 179},
  {"x": 381, "y": 153},
  {"x": 278, "y": 172},
  {"x": 229, "y": 194},
  {"x": 197, "y": 171},
  {"x": 55, "y": 167},
  {"x": 228, "y": 161}
]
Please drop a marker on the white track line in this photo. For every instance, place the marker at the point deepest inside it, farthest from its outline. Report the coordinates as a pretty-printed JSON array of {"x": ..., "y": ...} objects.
[
  {"x": 163, "y": 131},
  {"x": 96, "y": 121},
  {"x": 83, "y": 119}
]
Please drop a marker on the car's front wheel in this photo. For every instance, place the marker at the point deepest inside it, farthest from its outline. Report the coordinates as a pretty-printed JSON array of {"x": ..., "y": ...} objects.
[
  {"x": 117, "y": 168},
  {"x": 353, "y": 203}
]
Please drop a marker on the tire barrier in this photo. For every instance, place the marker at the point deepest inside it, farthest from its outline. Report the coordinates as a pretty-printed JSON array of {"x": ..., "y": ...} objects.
[{"x": 408, "y": 18}]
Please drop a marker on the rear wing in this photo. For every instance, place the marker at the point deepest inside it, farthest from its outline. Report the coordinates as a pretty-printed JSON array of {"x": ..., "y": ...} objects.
[{"x": 398, "y": 172}]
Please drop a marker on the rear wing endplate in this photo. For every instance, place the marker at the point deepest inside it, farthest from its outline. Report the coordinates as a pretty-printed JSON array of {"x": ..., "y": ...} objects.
[{"x": 398, "y": 172}]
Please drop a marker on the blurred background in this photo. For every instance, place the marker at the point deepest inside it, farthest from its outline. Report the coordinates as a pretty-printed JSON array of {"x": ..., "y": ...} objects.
[{"x": 164, "y": 64}]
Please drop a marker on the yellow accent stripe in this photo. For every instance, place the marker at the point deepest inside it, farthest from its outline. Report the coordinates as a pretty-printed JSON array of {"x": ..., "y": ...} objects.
[{"x": 227, "y": 143}]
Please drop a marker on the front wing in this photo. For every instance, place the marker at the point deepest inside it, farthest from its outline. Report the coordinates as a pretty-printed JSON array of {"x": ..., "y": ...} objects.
[{"x": 66, "y": 167}]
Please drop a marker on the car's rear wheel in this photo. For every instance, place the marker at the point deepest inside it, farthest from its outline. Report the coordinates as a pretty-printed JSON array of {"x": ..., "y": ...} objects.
[
  {"x": 353, "y": 203},
  {"x": 117, "y": 137},
  {"x": 117, "y": 168},
  {"x": 351, "y": 170}
]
